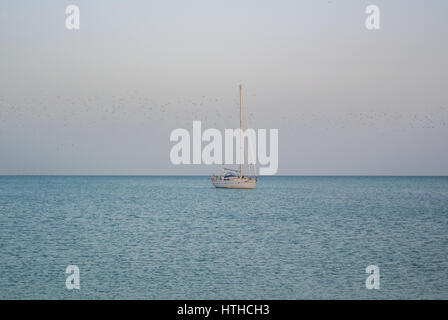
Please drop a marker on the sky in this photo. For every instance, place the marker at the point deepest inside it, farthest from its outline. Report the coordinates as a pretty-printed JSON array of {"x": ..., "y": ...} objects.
[{"x": 102, "y": 100}]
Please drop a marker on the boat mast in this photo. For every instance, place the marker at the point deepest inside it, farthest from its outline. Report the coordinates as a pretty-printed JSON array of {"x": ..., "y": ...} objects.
[{"x": 241, "y": 131}]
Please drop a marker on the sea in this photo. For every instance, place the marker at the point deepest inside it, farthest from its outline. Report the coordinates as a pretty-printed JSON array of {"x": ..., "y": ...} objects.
[{"x": 160, "y": 237}]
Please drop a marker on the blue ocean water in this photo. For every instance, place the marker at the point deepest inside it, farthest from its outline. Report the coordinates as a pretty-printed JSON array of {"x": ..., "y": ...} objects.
[{"x": 180, "y": 238}]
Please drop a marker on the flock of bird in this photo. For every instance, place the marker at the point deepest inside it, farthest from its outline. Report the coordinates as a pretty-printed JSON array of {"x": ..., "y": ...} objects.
[{"x": 214, "y": 112}]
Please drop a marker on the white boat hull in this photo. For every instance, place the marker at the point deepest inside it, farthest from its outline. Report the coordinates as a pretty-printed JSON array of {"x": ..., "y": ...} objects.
[{"x": 235, "y": 184}]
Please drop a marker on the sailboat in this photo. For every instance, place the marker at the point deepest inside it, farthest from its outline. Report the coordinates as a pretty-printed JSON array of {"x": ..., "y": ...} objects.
[{"x": 235, "y": 178}]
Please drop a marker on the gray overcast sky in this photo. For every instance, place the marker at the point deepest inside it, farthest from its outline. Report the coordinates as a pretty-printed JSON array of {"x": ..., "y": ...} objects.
[{"x": 104, "y": 99}]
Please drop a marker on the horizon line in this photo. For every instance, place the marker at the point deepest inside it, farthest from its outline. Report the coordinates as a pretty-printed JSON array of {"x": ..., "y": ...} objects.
[{"x": 198, "y": 175}]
